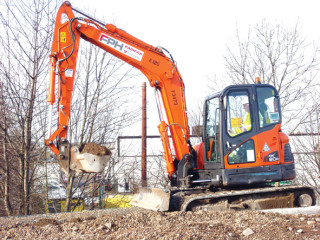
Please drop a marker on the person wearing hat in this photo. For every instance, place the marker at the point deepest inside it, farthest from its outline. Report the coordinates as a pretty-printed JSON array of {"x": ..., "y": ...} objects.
[{"x": 246, "y": 121}]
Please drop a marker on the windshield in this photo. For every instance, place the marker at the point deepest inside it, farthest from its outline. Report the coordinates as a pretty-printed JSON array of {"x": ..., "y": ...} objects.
[
  {"x": 268, "y": 105},
  {"x": 238, "y": 113}
]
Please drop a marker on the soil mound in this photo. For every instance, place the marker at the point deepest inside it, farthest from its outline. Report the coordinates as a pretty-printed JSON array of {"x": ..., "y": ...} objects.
[{"x": 95, "y": 149}]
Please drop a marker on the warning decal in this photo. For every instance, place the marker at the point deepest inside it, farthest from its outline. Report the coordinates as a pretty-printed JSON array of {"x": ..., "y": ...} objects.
[
  {"x": 121, "y": 47},
  {"x": 266, "y": 147},
  {"x": 63, "y": 37},
  {"x": 68, "y": 73}
]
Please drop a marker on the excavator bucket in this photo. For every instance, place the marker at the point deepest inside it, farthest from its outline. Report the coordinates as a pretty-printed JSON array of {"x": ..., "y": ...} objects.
[
  {"x": 87, "y": 162},
  {"x": 156, "y": 199},
  {"x": 89, "y": 158}
]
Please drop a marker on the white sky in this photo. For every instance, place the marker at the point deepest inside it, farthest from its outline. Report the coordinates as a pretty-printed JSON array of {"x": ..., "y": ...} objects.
[{"x": 196, "y": 32}]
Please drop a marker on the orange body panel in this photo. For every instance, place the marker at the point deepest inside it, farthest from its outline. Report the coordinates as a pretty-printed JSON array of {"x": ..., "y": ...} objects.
[
  {"x": 274, "y": 139},
  {"x": 200, "y": 157}
]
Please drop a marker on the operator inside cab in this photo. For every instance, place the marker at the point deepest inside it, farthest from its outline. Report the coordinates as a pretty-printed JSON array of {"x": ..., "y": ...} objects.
[{"x": 242, "y": 124}]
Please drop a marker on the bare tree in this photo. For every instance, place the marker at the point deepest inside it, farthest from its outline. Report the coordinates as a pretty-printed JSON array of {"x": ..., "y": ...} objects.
[
  {"x": 307, "y": 146},
  {"x": 195, "y": 120},
  {"x": 280, "y": 57},
  {"x": 158, "y": 176},
  {"x": 307, "y": 159},
  {"x": 4, "y": 169},
  {"x": 26, "y": 34},
  {"x": 102, "y": 105}
]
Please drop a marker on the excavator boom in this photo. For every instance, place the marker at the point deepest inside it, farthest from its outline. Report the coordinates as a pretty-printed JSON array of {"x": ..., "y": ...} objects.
[{"x": 160, "y": 70}]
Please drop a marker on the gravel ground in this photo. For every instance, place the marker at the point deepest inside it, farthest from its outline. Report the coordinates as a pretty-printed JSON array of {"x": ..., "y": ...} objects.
[{"x": 136, "y": 223}]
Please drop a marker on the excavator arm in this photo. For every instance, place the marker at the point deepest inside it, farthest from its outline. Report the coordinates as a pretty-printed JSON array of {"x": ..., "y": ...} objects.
[{"x": 159, "y": 69}]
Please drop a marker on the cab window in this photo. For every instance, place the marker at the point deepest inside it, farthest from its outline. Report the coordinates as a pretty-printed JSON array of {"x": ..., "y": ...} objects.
[
  {"x": 243, "y": 154},
  {"x": 238, "y": 113},
  {"x": 212, "y": 130},
  {"x": 212, "y": 117},
  {"x": 268, "y": 106}
]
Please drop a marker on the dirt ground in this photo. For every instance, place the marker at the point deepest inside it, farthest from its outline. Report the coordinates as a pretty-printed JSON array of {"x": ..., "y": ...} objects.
[
  {"x": 135, "y": 223},
  {"x": 95, "y": 149}
]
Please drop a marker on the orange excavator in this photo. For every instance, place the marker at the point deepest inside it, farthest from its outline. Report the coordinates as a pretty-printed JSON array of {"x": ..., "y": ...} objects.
[{"x": 243, "y": 149}]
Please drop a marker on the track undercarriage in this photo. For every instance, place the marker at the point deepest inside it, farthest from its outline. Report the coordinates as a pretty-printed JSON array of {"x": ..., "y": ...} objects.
[{"x": 226, "y": 199}]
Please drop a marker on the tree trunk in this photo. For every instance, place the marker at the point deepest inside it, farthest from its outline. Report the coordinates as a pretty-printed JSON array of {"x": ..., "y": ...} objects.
[
  {"x": 69, "y": 192},
  {"x": 27, "y": 148},
  {"x": 7, "y": 175},
  {"x": 21, "y": 183}
]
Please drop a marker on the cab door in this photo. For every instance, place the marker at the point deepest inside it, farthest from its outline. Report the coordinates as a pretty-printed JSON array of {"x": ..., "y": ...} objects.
[
  {"x": 240, "y": 126},
  {"x": 211, "y": 138},
  {"x": 269, "y": 125}
]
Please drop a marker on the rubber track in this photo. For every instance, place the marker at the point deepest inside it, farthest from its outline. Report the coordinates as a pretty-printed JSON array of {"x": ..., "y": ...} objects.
[{"x": 232, "y": 193}]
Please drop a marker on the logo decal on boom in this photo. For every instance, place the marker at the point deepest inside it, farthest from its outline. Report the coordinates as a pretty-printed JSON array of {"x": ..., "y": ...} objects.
[{"x": 121, "y": 47}]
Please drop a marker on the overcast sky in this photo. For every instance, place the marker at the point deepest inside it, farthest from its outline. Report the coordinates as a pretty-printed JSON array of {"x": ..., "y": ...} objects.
[{"x": 196, "y": 32}]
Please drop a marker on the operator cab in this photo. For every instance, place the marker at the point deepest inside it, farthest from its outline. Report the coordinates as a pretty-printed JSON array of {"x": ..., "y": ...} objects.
[{"x": 242, "y": 139}]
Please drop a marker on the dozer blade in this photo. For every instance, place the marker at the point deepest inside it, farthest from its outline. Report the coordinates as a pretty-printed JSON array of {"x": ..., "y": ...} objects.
[
  {"x": 156, "y": 199},
  {"x": 87, "y": 162}
]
